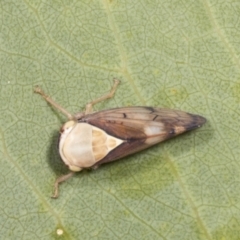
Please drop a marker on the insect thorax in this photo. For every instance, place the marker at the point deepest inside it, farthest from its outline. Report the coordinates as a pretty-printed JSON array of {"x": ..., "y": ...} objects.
[{"x": 81, "y": 145}]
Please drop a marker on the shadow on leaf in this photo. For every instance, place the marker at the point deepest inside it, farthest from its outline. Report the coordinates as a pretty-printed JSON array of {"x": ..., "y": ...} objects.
[{"x": 54, "y": 159}]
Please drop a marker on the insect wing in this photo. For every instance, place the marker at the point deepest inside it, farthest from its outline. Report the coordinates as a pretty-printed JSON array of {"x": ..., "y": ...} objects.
[{"x": 141, "y": 127}]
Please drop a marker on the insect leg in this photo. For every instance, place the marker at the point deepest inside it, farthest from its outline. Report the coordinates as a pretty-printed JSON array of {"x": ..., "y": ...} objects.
[
  {"x": 38, "y": 90},
  {"x": 60, "y": 180},
  {"x": 108, "y": 95}
]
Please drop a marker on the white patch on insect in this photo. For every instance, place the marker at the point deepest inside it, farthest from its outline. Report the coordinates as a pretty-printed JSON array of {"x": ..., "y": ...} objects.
[
  {"x": 157, "y": 131},
  {"x": 82, "y": 145}
]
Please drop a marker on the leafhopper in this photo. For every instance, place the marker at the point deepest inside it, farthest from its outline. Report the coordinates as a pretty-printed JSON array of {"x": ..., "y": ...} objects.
[{"x": 89, "y": 139}]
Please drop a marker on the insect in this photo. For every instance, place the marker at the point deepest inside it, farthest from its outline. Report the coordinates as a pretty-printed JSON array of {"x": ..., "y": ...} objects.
[{"x": 89, "y": 139}]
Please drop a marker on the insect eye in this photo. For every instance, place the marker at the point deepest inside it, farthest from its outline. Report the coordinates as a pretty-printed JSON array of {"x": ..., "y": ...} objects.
[{"x": 67, "y": 125}]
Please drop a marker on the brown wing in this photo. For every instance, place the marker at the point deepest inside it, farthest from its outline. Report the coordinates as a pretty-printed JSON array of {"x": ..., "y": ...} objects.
[{"x": 141, "y": 127}]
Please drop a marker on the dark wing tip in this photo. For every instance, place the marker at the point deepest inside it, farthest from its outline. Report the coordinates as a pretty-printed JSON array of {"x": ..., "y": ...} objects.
[{"x": 196, "y": 122}]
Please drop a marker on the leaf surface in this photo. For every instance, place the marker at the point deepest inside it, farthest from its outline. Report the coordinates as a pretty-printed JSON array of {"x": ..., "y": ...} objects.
[{"x": 175, "y": 54}]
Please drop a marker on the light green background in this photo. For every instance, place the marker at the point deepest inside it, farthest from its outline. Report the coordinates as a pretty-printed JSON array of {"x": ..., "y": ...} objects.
[{"x": 175, "y": 54}]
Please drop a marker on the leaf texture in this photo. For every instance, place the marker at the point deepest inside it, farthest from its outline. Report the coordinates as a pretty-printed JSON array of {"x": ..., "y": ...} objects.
[{"x": 171, "y": 54}]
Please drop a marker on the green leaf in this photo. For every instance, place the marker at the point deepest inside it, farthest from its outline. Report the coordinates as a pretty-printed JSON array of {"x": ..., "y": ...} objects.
[{"x": 174, "y": 54}]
